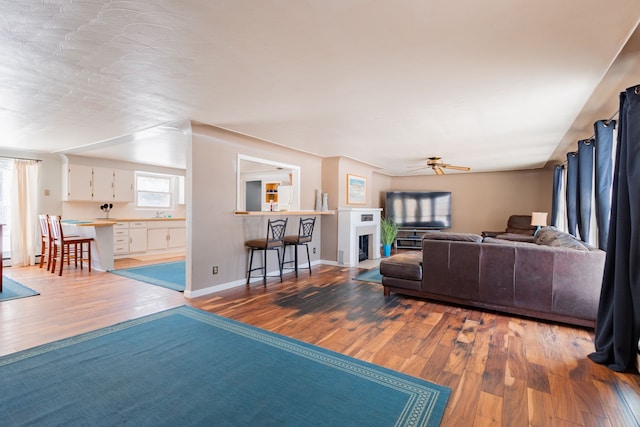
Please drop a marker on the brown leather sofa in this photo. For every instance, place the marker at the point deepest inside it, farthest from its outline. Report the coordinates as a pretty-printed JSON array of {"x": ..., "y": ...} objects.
[{"x": 558, "y": 278}]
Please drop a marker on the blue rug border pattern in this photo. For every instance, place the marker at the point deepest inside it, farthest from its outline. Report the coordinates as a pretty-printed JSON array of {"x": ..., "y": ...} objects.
[
  {"x": 422, "y": 399},
  {"x": 131, "y": 274},
  {"x": 26, "y": 292}
]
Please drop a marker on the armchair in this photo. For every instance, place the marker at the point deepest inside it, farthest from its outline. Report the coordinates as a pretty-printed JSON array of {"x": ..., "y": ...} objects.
[{"x": 516, "y": 224}]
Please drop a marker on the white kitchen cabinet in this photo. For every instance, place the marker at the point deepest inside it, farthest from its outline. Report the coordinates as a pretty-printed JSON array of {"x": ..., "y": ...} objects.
[
  {"x": 78, "y": 183},
  {"x": 166, "y": 235},
  {"x": 102, "y": 184},
  {"x": 123, "y": 185},
  {"x": 98, "y": 184},
  {"x": 121, "y": 238},
  {"x": 157, "y": 238},
  {"x": 138, "y": 237},
  {"x": 177, "y": 237},
  {"x": 148, "y": 236}
]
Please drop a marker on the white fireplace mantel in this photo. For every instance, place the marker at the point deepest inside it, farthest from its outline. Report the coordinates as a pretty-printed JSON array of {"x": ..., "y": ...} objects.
[{"x": 353, "y": 223}]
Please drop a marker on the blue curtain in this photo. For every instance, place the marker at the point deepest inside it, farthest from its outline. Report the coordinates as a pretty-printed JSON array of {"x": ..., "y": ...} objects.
[
  {"x": 557, "y": 195},
  {"x": 572, "y": 192},
  {"x": 604, "y": 146},
  {"x": 618, "y": 321},
  {"x": 585, "y": 187}
]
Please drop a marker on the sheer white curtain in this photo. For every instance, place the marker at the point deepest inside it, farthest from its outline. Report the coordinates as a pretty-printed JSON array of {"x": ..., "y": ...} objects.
[{"x": 24, "y": 201}]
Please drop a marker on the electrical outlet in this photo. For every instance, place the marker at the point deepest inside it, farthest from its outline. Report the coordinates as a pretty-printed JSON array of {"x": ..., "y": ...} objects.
[
  {"x": 215, "y": 269},
  {"x": 314, "y": 250}
]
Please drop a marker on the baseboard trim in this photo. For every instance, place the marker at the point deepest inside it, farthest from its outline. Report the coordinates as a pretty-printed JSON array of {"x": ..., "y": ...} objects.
[{"x": 236, "y": 283}]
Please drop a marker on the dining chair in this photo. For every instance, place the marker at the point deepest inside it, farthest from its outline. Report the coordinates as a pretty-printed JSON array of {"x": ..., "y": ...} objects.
[
  {"x": 304, "y": 237},
  {"x": 45, "y": 240},
  {"x": 67, "y": 248},
  {"x": 274, "y": 241}
]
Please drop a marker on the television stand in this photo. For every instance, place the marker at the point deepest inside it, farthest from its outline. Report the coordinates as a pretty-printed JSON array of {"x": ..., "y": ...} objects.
[{"x": 410, "y": 237}]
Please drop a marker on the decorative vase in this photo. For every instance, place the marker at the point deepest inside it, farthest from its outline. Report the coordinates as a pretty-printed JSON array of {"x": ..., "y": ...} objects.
[
  {"x": 318, "y": 200},
  {"x": 325, "y": 202},
  {"x": 387, "y": 250}
]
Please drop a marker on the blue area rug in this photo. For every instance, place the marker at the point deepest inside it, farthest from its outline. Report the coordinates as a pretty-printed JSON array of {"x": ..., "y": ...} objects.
[
  {"x": 188, "y": 367},
  {"x": 372, "y": 275},
  {"x": 14, "y": 290},
  {"x": 168, "y": 275}
]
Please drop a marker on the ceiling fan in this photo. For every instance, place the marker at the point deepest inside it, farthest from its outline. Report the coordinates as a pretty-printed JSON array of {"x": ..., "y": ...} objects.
[{"x": 438, "y": 166}]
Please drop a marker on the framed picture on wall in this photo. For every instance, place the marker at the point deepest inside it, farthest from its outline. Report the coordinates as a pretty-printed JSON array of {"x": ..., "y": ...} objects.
[{"x": 356, "y": 190}]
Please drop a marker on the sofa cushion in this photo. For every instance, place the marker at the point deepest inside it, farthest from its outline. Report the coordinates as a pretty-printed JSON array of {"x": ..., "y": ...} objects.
[
  {"x": 516, "y": 237},
  {"x": 511, "y": 242},
  {"x": 551, "y": 236},
  {"x": 405, "y": 265},
  {"x": 454, "y": 237}
]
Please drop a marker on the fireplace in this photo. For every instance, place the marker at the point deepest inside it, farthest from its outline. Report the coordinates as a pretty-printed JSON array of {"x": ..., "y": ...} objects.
[
  {"x": 363, "y": 247},
  {"x": 355, "y": 227}
]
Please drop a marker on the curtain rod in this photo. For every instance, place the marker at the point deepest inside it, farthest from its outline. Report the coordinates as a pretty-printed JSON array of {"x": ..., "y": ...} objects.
[
  {"x": 20, "y": 158},
  {"x": 606, "y": 123}
]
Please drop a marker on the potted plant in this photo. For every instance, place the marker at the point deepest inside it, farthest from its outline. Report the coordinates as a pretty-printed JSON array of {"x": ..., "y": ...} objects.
[{"x": 388, "y": 233}]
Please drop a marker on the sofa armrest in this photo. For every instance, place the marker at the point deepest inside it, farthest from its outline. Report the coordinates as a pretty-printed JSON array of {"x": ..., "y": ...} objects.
[{"x": 491, "y": 233}]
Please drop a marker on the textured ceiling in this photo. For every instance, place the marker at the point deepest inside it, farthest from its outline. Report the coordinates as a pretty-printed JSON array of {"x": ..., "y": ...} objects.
[{"x": 494, "y": 85}]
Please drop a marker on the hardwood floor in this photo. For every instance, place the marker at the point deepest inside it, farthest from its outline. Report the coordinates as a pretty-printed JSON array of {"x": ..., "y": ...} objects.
[{"x": 503, "y": 371}]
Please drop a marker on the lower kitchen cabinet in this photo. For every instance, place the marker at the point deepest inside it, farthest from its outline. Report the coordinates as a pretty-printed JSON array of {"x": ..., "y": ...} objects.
[
  {"x": 138, "y": 240},
  {"x": 151, "y": 237},
  {"x": 165, "y": 235}
]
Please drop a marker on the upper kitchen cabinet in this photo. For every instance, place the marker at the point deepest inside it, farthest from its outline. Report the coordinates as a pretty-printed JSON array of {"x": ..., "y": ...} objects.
[
  {"x": 123, "y": 185},
  {"x": 98, "y": 184},
  {"x": 102, "y": 184},
  {"x": 78, "y": 182}
]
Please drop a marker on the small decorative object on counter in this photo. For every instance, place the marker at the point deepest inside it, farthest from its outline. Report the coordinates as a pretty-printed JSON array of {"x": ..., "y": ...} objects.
[
  {"x": 325, "y": 202},
  {"x": 106, "y": 208},
  {"x": 318, "y": 200}
]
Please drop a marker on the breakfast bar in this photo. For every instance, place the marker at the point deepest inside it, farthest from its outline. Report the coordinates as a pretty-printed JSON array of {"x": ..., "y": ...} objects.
[{"x": 101, "y": 231}]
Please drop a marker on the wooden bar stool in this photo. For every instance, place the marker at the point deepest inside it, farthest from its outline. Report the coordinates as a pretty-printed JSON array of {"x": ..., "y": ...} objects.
[
  {"x": 304, "y": 236},
  {"x": 67, "y": 248},
  {"x": 273, "y": 241}
]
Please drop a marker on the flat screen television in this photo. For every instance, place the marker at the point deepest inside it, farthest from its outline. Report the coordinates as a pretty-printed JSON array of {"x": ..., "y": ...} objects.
[{"x": 419, "y": 209}]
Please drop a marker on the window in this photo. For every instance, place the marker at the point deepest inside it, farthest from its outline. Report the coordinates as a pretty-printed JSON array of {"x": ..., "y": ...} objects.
[
  {"x": 154, "y": 191},
  {"x": 6, "y": 178}
]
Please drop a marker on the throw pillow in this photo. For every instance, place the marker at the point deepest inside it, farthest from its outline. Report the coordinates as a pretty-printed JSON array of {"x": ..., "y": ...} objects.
[{"x": 551, "y": 236}]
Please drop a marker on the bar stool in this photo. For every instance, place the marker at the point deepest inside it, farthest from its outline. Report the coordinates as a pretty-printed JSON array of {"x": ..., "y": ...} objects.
[
  {"x": 66, "y": 248},
  {"x": 305, "y": 233},
  {"x": 45, "y": 236},
  {"x": 273, "y": 241}
]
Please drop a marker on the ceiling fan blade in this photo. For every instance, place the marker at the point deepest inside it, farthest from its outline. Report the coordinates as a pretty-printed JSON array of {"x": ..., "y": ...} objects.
[
  {"x": 438, "y": 170},
  {"x": 417, "y": 169},
  {"x": 458, "y": 168}
]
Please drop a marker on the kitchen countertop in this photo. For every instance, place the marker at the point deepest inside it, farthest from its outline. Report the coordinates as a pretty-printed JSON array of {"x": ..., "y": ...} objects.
[
  {"x": 101, "y": 222},
  {"x": 88, "y": 222},
  {"x": 140, "y": 219}
]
